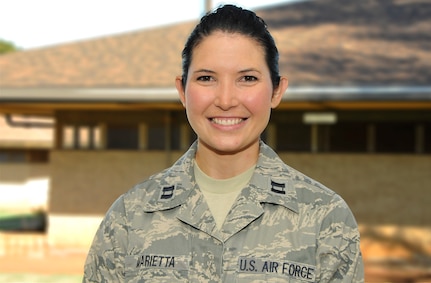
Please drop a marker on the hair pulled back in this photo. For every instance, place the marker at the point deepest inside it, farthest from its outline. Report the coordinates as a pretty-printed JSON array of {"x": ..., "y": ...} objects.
[{"x": 233, "y": 19}]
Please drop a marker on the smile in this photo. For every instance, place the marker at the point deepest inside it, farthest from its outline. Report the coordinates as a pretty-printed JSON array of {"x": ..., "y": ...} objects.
[{"x": 227, "y": 121}]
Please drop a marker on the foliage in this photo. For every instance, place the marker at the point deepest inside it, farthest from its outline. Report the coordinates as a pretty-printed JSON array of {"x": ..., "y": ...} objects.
[
  {"x": 34, "y": 221},
  {"x": 6, "y": 47}
]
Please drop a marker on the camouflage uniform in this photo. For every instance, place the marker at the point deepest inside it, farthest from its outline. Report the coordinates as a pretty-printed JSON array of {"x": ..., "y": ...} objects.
[{"x": 284, "y": 227}]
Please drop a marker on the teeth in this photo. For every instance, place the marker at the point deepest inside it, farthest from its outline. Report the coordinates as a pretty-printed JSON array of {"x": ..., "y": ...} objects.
[{"x": 227, "y": 122}]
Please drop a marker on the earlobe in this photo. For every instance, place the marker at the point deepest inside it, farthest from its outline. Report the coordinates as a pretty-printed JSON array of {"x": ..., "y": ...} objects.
[
  {"x": 279, "y": 92},
  {"x": 180, "y": 89}
]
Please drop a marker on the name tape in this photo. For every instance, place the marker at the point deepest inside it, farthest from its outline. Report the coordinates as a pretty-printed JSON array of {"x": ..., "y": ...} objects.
[{"x": 162, "y": 261}]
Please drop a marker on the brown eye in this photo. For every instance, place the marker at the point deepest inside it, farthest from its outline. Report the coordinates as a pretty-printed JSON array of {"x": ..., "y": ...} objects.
[
  {"x": 204, "y": 78},
  {"x": 250, "y": 78}
]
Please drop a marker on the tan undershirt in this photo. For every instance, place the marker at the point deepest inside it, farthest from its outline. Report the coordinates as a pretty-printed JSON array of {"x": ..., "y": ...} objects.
[{"x": 220, "y": 194}]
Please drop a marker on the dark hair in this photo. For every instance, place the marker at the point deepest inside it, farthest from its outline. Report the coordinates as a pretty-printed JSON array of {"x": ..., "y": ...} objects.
[{"x": 233, "y": 19}]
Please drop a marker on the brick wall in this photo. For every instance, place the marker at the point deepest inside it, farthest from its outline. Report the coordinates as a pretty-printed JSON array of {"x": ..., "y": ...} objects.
[{"x": 389, "y": 191}]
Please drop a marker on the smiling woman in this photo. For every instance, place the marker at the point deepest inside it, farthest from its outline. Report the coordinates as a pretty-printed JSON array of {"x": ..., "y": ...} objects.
[
  {"x": 228, "y": 98},
  {"x": 229, "y": 210}
]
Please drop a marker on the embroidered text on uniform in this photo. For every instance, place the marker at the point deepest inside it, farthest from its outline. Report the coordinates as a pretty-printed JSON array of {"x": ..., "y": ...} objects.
[
  {"x": 284, "y": 268},
  {"x": 156, "y": 261}
]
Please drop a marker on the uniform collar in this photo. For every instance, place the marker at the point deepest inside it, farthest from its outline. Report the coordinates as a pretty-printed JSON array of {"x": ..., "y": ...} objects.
[
  {"x": 174, "y": 185},
  {"x": 271, "y": 182}
]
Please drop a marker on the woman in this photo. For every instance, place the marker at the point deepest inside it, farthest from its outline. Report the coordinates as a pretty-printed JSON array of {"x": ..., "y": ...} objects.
[{"x": 229, "y": 210}]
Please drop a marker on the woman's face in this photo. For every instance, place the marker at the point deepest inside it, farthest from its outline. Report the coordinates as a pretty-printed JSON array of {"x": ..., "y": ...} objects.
[{"x": 228, "y": 95}]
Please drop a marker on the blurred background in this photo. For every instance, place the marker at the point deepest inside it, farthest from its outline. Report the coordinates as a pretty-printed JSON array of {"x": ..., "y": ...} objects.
[{"x": 88, "y": 108}]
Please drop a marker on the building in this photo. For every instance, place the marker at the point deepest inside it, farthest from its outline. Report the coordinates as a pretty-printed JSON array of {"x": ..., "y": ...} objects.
[{"x": 356, "y": 116}]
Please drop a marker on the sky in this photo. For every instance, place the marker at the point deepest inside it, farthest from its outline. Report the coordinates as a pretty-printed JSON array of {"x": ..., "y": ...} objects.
[{"x": 38, "y": 23}]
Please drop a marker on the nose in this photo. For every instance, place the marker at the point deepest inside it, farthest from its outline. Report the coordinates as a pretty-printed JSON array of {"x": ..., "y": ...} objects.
[{"x": 226, "y": 96}]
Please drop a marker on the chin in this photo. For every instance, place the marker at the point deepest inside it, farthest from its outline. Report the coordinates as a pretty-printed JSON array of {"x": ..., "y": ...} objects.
[{"x": 230, "y": 148}]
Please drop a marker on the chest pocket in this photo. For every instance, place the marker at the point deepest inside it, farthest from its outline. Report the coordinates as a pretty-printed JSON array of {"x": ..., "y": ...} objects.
[{"x": 157, "y": 268}]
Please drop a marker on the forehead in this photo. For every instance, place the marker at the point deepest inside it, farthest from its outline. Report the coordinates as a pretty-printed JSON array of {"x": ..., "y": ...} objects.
[
  {"x": 219, "y": 35},
  {"x": 235, "y": 46}
]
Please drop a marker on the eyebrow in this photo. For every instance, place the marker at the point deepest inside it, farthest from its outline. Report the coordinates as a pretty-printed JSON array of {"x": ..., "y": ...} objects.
[
  {"x": 240, "y": 72},
  {"x": 249, "y": 70},
  {"x": 203, "y": 71}
]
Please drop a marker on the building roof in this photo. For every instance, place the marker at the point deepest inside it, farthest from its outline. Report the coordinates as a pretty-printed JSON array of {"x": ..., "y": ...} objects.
[
  {"x": 377, "y": 48},
  {"x": 338, "y": 54},
  {"x": 322, "y": 42},
  {"x": 145, "y": 58},
  {"x": 367, "y": 42}
]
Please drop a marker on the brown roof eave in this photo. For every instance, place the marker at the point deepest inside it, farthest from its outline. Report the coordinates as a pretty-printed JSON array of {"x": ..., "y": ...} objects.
[
  {"x": 88, "y": 95},
  {"x": 294, "y": 93},
  {"x": 47, "y": 101}
]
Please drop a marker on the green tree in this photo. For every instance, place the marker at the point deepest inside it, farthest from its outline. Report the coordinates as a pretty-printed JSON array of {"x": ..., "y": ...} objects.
[{"x": 6, "y": 46}]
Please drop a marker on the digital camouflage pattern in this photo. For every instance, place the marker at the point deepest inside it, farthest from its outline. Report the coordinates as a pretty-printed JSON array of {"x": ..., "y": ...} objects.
[{"x": 284, "y": 227}]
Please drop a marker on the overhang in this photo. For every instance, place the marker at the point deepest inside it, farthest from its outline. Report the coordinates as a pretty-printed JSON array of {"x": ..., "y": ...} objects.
[{"x": 45, "y": 101}]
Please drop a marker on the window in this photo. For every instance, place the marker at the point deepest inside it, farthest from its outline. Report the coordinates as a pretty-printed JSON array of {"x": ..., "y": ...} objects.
[
  {"x": 159, "y": 134},
  {"x": 359, "y": 137},
  {"x": 175, "y": 137},
  {"x": 156, "y": 137},
  {"x": 12, "y": 156},
  {"x": 427, "y": 138},
  {"x": 348, "y": 137},
  {"x": 122, "y": 137},
  {"x": 293, "y": 137},
  {"x": 395, "y": 137},
  {"x": 81, "y": 137},
  {"x": 24, "y": 156}
]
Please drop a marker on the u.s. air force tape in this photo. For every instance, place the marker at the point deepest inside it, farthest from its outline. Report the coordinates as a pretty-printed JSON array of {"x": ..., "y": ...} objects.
[{"x": 282, "y": 268}]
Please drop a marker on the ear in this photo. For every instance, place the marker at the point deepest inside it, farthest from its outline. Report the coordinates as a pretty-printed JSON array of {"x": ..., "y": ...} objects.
[
  {"x": 180, "y": 89},
  {"x": 278, "y": 92}
]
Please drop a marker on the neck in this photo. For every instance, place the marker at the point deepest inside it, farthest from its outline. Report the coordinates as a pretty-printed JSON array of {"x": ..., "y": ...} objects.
[{"x": 226, "y": 165}]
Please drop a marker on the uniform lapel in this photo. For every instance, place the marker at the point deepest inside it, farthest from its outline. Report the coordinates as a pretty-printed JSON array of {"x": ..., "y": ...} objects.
[
  {"x": 270, "y": 183},
  {"x": 243, "y": 212},
  {"x": 195, "y": 212}
]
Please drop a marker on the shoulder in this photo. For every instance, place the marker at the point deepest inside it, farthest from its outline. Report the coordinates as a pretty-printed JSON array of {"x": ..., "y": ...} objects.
[
  {"x": 309, "y": 189},
  {"x": 303, "y": 189},
  {"x": 314, "y": 198},
  {"x": 145, "y": 190},
  {"x": 164, "y": 190},
  {"x": 271, "y": 165}
]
